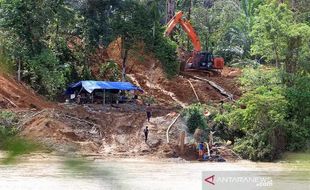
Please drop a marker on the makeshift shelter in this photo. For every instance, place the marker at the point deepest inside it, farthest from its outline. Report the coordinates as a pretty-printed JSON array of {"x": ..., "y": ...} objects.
[{"x": 90, "y": 86}]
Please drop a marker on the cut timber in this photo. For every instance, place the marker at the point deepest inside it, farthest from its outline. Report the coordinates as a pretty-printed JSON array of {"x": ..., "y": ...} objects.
[
  {"x": 12, "y": 103},
  {"x": 194, "y": 90},
  {"x": 167, "y": 133},
  {"x": 213, "y": 84},
  {"x": 181, "y": 143}
]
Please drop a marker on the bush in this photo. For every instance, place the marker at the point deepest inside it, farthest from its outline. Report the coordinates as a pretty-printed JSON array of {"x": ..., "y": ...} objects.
[
  {"x": 165, "y": 51},
  {"x": 262, "y": 145},
  {"x": 10, "y": 142},
  {"x": 298, "y": 137},
  {"x": 195, "y": 118},
  {"x": 110, "y": 71},
  {"x": 8, "y": 123},
  {"x": 6, "y": 65},
  {"x": 298, "y": 95}
]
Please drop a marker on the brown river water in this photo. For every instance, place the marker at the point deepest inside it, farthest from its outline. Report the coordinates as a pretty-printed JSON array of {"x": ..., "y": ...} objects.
[{"x": 54, "y": 172}]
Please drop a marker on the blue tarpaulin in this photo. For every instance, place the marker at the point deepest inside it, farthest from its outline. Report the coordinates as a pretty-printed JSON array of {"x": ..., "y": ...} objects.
[{"x": 91, "y": 85}]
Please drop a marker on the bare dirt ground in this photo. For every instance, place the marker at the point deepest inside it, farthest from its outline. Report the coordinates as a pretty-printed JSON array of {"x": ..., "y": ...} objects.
[{"x": 109, "y": 133}]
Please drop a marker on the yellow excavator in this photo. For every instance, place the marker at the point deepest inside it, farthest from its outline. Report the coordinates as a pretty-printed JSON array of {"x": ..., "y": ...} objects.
[{"x": 200, "y": 60}]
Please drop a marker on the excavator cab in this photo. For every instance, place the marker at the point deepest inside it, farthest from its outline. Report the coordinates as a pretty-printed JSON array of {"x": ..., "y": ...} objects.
[{"x": 205, "y": 60}]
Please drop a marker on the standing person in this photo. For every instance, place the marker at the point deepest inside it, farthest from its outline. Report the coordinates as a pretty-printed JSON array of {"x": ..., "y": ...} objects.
[
  {"x": 148, "y": 112},
  {"x": 146, "y": 133},
  {"x": 200, "y": 150}
]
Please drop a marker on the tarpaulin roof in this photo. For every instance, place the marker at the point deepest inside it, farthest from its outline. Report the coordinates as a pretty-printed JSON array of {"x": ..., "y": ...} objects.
[{"x": 90, "y": 86}]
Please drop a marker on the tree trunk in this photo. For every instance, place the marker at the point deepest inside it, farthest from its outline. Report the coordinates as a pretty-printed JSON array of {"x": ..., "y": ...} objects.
[
  {"x": 170, "y": 10},
  {"x": 293, "y": 4},
  {"x": 291, "y": 60},
  {"x": 18, "y": 70},
  {"x": 124, "y": 58},
  {"x": 277, "y": 55}
]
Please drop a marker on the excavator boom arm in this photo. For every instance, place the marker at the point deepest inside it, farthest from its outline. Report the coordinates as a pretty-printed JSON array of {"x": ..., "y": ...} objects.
[{"x": 187, "y": 27}]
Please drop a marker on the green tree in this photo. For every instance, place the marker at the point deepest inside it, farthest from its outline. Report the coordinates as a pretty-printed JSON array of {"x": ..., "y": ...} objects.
[
  {"x": 48, "y": 76},
  {"x": 30, "y": 29},
  {"x": 261, "y": 113},
  {"x": 195, "y": 118},
  {"x": 277, "y": 36}
]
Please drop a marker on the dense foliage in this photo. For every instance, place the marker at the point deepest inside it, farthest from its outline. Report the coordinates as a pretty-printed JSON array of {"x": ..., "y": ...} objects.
[
  {"x": 54, "y": 41},
  {"x": 263, "y": 114},
  {"x": 195, "y": 118}
]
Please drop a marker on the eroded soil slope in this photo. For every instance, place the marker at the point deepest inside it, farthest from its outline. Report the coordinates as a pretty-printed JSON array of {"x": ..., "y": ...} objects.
[{"x": 14, "y": 94}]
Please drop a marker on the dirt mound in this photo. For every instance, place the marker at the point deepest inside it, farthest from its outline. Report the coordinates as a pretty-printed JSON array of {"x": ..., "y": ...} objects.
[{"x": 15, "y": 94}]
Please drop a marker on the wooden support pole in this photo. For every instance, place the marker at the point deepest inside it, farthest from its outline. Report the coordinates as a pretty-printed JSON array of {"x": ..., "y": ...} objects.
[{"x": 103, "y": 96}]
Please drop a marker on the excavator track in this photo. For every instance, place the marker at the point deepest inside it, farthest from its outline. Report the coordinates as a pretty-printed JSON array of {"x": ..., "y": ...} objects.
[{"x": 209, "y": 73}]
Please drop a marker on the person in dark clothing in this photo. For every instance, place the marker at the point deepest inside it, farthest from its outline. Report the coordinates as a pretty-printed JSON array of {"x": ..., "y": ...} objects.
[
  {"x": 146, "y": 133},
  {"x": 200, "y": 150},
  {"x": 148, "y": 112}
]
